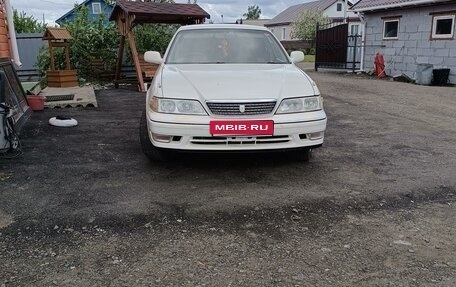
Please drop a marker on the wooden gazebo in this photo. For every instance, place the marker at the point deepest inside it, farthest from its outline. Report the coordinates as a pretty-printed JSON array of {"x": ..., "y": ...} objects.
[
  {"x": 60, "y": 37},
  {"x": 128, "y": 14}
]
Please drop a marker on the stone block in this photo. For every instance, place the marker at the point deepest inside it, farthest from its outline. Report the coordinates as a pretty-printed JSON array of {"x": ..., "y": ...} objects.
[
  {"x": 422, "y": 60},
  {"x": 411, "y": 67},
  {"x": 370, "y": 37},
  {"x": 411, "y": 51},
  {"x": 414, "y": 36},
  {"x": 425, "y": 52},
  {"x": 452, "y": 52},
  {"x": 390, "y": 51},
  {"x": 450, "y": 62},
  {"x": 452, "y": 78},
  {"x": 424, "y": 28},
  {"x": 442, "y": 52},
  {"x": 398, "y": 44},
  {"x": 451, "y": 45},
  {"x": 436, "y": 60},
  {"x": 411, "y": 28},
  {"x": 424, "y": 44},
  {"x": 438, "y": 44},
  {"x": 409, "y": 60},
  {"x": 410, "y": 44}
]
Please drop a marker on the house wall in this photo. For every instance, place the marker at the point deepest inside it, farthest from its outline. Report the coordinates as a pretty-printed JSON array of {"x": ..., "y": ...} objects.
[
  {"x": 92, "y": 17},
  {"x": 413, "y": 45},
  {"x": 330, "y": 12},
  {"x": 4, "y": 43},
  {"x": 278, "y": 30}
]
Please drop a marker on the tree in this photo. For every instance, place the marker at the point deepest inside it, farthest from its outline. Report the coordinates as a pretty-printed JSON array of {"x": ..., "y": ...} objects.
[
  {"x": 26, "y": 24},
  {"x": 305, "y": 26},
  {"x": 253, "y": 12}
]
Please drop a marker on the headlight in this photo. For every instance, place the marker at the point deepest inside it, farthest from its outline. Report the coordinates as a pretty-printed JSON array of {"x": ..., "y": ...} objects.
[
  {"x": 171, "y": 106},
  {"x": 299, "y": 105}
]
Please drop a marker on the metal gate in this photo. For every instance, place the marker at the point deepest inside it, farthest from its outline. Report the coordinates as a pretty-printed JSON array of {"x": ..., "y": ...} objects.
[{"x": 335, "y": 48}]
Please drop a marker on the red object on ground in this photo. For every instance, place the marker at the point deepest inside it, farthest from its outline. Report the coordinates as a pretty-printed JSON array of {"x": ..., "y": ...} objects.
[
  {"x": 36, "y": 103},
  {"x": 379, "y": 65}
]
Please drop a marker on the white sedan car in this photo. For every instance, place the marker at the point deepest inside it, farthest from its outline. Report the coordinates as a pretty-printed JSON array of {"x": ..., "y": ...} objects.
[{"x": 230, "y": 88}]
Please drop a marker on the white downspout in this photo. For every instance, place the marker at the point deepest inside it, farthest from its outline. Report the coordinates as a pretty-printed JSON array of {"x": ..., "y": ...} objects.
[
  {"x": 363, "y": 41},
  {"x": 12, "y": 34}
]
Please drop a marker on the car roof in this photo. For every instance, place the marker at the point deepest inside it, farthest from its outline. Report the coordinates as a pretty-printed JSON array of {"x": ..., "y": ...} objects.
[{"x": 223, "y": 26}]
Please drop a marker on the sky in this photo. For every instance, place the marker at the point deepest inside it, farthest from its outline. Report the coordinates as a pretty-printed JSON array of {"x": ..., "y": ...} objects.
[{"x": 51, "y": 10}]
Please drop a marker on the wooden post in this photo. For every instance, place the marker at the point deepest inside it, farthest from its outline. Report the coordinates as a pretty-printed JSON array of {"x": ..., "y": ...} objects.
[
  {"x": 51, "y": 56},
  {"x": 134, "y": 54},
  {"x": 67, "y": 56},
  {"x": 119, "y": 60}
]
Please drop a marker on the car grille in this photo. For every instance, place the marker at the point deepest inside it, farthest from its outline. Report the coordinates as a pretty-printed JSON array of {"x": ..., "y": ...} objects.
[
  {"x": 258, "y": 140},
  {"x": 251, "y": 108}
]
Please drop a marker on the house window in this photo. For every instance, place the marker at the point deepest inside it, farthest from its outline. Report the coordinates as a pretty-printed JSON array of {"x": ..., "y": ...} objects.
[
  {"x": 96, "y": 8},
  {"x": 284, "y": 33},
  {"x": 390, "y": 29},
  {"x": 339, "y": 7},
  {"x": 354, "y": 29},
  {"x": 443, "y": 27}
]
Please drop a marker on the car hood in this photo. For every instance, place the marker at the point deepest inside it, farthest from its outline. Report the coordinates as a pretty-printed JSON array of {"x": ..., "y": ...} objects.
[{"x": 214, "y": 82}]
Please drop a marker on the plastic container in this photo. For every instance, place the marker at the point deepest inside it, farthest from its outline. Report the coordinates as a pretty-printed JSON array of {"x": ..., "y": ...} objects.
[
  {"x": 424, "y": 74},
  {"x": 440, "y": 77},
  {"x": 36, "y": 103}
]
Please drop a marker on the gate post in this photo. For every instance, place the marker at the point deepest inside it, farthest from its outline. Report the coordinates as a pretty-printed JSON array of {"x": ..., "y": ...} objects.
[
  {"x": 316, "y": 47},
  {"x": 354, "y": 53}
]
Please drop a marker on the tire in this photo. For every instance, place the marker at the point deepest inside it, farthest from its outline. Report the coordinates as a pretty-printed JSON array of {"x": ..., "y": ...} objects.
[
  {"x": 152, "y": 152},
  {"x": 303, "y": 155}
]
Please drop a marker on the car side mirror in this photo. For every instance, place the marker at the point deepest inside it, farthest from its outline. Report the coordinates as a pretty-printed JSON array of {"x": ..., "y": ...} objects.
[
  {"x": 297, "y": 56},
  {"x": 153, "y": 57}
]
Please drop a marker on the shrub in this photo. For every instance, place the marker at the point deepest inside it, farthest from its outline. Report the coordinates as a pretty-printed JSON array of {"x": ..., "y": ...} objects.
[{"x": 91, "y": 40}]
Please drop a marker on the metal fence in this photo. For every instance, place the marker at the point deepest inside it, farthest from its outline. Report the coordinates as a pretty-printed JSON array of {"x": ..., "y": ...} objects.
[{"x": 29, "y": 45}]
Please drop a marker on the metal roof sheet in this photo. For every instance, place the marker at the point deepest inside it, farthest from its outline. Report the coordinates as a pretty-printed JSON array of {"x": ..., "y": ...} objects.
[
  {"x": 290, "y": 14},
  {"x": 371, "y": 5}
]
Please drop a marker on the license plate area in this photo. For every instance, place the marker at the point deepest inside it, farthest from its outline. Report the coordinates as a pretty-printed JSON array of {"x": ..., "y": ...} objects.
[{"x": 241, "y": 128}]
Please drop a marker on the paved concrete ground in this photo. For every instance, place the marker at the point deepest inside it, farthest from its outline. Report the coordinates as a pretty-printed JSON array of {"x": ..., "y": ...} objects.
[
  {"x": 375, "y": 207},
  {"x": 82, "y": 97}
]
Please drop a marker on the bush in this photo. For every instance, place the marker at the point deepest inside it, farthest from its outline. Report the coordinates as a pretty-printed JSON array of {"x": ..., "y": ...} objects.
[
  {"x": 95, "y": 43},
  {"x": 154, "y": 37},
  {"x": 91, "y": 40}
]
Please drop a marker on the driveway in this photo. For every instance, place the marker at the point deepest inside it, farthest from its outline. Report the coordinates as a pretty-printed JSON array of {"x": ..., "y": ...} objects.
[{"x": 374, "y": 207}]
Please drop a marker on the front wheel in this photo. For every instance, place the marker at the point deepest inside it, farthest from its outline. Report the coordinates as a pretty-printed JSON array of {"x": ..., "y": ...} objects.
[{"x": 152, "y": 152}]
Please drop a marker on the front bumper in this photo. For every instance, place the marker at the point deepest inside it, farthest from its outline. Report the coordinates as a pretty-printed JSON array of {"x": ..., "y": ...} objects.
[{"x": 192, "y": 132}]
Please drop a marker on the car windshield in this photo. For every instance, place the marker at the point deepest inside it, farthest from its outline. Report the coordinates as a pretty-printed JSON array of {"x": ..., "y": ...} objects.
[{"x": 225, "y": 46}]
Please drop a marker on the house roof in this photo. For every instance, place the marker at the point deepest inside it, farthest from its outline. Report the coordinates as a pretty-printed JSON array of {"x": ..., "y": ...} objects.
[
  {"x": 373, "y": 5},
  {"x": 151, "y": 12},
  {"x": 290, "y": 14},
  {"x": 57, "y": 34}
]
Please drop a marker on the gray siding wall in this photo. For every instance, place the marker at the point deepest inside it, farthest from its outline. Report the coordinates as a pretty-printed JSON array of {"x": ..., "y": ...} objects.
[
  {"x": 28, "y": 45},
  {"x": 413, "y": 45}
]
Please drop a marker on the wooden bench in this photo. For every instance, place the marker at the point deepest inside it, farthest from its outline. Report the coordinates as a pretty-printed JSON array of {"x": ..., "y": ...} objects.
[{"x": 148, "y": 69}]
